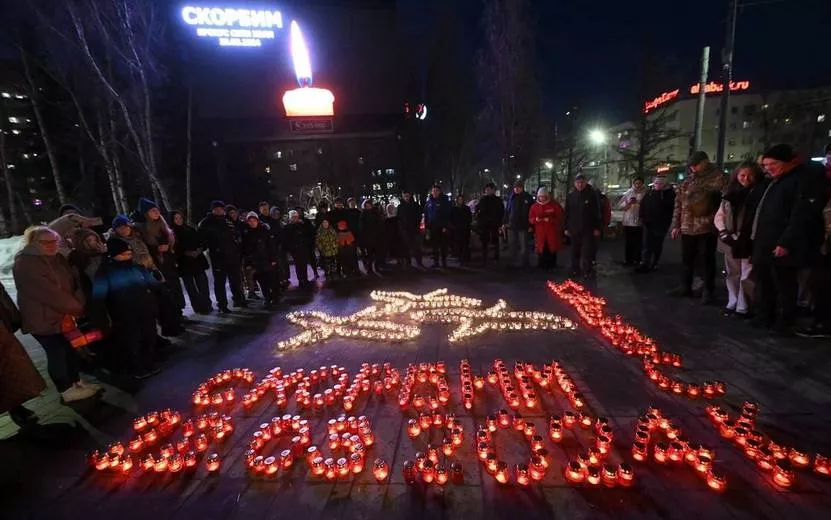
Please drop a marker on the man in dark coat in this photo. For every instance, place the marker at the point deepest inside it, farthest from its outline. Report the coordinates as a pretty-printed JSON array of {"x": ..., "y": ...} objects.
[
  {"x": 220, "y": 235},
  {"x": 370, "y": 236},
  {"x": 489, "y": 215},
  {"x": 437, "y": 223},
  {"x": 460, "y": 222},
  {"x": 189, "y": 251},
  {"x": 584, "y": 222},
  {"x": 787, "y": 232},
  {"x": 260, "y": 254},
  {"x": 656, "y": 215},
  {"x": 296, "y": 240},
  {"x": 409, "y": 222},
  {"x": 515, "y": 222}
]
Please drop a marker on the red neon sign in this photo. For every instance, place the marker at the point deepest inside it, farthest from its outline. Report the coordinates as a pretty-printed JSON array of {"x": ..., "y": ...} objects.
[
  {"x": 660, "y": 100},
  {"x": 713, "y": 87}
]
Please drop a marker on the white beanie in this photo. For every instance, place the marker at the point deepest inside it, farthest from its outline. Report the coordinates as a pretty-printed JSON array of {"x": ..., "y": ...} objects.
[
  {"x": 392, "y": 210},
  {"x": 292, "y": 213},
  {"x": 251, "y": 215},
  {"x": 542, "y": 191}
]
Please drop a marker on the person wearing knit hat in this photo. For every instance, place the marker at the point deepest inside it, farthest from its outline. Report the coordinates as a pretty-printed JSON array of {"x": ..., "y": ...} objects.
[
  {"x": 261, "y": 258},
  {"x": 217, "y": 204},
  {"x": 787, "y": 234},
  {"x": 120, "y": 220},
  {"x": 779, "y": 152},
  {"x": 696, "y": 203},
  {"x": 128, "y": 292},
  {"x": 145, "y": 205}
]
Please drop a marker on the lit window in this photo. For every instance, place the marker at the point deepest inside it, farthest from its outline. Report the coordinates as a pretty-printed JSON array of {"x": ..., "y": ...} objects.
[
  {"x": 320, "y": 151},
  {"x": 360, "y": 160},
  {"x": 765, "y": 106},
  {"x": 390, "y": 171},
  {"x": 14, "y": 120},
  {"x": 787, "y": 120},
  {"x": 25, "y": 156},
  {"x": 16, "y": 131},
  {"x": 293, "y": 167},
  {"x": 390, "y": 185},
  {"x": 731, "y": 156},
  {"x": 12, "y": 167},
  {"x": 268, "y": 169},
  {"x": 747, "y": 124},
  {"x": 376, "y": 187},
  {"x": 821, "y": 118},
  {"x": 6, "y": 95},
  {"x": 19, "y": 96},
  {"x": 279, "y": 154}
]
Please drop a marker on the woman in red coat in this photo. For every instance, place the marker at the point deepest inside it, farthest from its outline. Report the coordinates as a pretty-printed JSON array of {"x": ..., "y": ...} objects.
[{"x": 546, "y": 217}]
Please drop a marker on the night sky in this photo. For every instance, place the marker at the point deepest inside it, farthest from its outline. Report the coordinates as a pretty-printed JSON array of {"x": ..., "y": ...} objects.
[{"x": 589, "y": 53}]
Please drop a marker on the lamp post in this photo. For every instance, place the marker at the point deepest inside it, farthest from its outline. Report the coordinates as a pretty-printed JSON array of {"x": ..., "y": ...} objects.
[{"x": 598, "y": 138}]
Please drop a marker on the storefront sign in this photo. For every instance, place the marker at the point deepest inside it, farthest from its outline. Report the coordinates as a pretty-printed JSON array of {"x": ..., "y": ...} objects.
[
  {"x": 713, "y": 87},
  {"x": 233, "y": 27}
]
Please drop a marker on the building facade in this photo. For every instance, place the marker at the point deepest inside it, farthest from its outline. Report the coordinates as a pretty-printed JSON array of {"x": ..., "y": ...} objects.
[{"x": 756, "y": 120}]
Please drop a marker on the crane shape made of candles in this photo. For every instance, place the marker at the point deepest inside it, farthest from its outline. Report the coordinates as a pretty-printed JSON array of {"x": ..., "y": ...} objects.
[{"x": 375, "y": 322}]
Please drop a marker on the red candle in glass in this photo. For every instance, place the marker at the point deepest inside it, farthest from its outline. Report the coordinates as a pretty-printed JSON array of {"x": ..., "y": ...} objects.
[
  {"x": 625, "y": 474},
  {"x": 716, "y": 480},
  {"x": 409, "y": 472},
  {"x": 610, "y": 475},
  {"x": 640, "y": 451}
]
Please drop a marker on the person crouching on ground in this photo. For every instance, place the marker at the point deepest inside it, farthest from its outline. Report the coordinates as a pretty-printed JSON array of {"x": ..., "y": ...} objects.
[
  {"x": 48, "y": 290},
  {"x": 734, "y": 220},
  {"x": 326, "y": 242},
  {"x": 129, "y": 292},
  {"x": 546, "y": 218},
  {"x": 260, "y": 254}
]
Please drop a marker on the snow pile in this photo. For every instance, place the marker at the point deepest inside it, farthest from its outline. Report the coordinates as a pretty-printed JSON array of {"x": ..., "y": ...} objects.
[{"x": 8, "y": 248}]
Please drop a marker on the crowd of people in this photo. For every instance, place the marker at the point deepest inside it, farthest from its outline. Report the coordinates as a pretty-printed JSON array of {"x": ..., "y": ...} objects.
[
  {"x": 80, "y": 286},
  {"x": 771, "y": 220}
]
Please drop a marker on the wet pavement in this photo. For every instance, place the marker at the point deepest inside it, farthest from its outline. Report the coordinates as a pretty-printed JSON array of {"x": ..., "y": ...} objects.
[{"x": 789, "y": 379}]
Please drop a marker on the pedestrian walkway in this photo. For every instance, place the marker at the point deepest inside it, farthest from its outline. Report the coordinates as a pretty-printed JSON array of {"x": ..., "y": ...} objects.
[{"x": 789, "y": 379}]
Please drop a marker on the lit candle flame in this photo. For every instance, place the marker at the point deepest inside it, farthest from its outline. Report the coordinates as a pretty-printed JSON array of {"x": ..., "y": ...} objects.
[{"x": 300, "y": 57}]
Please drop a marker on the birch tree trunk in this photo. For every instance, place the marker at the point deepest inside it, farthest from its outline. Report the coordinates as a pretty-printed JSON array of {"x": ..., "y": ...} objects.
[
  {"x": 188, "y": 200},
  {"x": 7, "y": 174},
  {"x": 44, "y": 133}
]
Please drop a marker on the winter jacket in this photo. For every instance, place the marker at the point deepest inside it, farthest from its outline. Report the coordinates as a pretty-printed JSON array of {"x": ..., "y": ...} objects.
[
  {"x": 126, "y": 289},
  {"x": 189, "y": 250},
  {"x": 353, "y": 219},
  {"x": 371, "y": 229},
  {"x": 152, "y": 232},
  {"x": 461, "y": 218},
  {"x": 296, "y": 238},
  {"x": 584, "y": 211},
  {"x": 656, "y": 208},
  {"x": 220, "y": 235},
  {"x": 141, "y": 252},
  {"x": 547, "y": 221},
  {"x": 734, "y": 220},
  {"x": 437, "y": 213},
  {"x": 258, "y": 249},
  {"x": 409, "y": 216},
  {"x": 327, "y": 241},
  {"x": 490, "y": 212},
  {"x": 789, "y": 215},
  {"x": 697, "y": 201},
  {"x": 392, "y": 237},
  {"x": 19, "y": 379},
  {"x": 517, "y": 209},
  {"x": 48, "y": 289},
  {"x": 632, "y": 210}
]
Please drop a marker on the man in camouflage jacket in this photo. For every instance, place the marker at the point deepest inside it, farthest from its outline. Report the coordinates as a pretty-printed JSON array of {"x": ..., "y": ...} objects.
[{"x": 696, "y": 204}]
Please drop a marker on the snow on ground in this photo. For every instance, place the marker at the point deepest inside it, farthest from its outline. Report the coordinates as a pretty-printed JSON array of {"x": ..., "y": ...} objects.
[{"x": 8, "y": 248}]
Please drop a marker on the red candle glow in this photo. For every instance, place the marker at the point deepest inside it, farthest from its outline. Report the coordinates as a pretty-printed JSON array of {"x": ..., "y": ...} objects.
[
  {"x": 574, "y": 472},
  {"x": 783, "y": 475},
  {"x": 213, "y": 463},
  {"x": 716, "y": 480},
  {"x": 523, "y": 477},
  {"x": 625, "y": 474}
]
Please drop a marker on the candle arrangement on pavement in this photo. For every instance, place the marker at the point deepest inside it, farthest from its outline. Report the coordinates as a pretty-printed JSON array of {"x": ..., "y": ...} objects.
[
  {"x": 375, "y": 323},
  {"x": 779, "y": 461},
  {"x": 633, "y": 342}
]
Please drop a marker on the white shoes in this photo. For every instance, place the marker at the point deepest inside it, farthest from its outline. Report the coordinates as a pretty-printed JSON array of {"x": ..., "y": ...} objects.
[{"x": 77, "y": 392}]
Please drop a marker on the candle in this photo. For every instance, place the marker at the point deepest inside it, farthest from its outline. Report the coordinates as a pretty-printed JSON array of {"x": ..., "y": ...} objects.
[
  {"x": 161, "y": 465},
  {"x": 318, "y": 466},
  {"x": 821, "y": 465},
  {"x": 716, "y": 480},
  {"x": 537, "y": 468},
  {"x": 610, "y": 475},
  {"x": 783, "y": 475},
  {"x": 342, "y": 467},
  {"x": 523, "y": 477},
  {"x": 574, "y": 472},
  {"x": 640, "y": 451},
  {"x": 441, "y": 475},
  {"x": 798, "y": 458},
  {"x": 409, "y": 472},
  {"x": 213, "y": 462},
  {"x": 660, "y": 452},
  {"x": 625, "y": 475},
  {"x": 593, "y": 475},
  {"x": 501, "y": 472}
]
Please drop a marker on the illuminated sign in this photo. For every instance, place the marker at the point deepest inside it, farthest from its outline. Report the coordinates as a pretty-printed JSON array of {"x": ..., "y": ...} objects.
[
  {"x": 660, "y": 100},
  {"x": 233, "y": 27},
  {"x": 709, "y": 88},
  {"x": 712, "y": 87},
  {"x": 311, "y": 126},
  {"x": 305, "y": 101}
]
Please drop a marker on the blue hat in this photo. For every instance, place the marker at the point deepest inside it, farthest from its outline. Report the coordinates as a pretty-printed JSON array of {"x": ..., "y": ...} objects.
[
  {"x": 120, "y": 220},
  {"x": 145, "y": 205}
]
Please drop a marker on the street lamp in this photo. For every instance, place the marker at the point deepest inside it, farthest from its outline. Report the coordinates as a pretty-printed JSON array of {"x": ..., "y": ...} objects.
[
  {"x": 549, "y": 165},
  {"x": 598, "y": 138}
]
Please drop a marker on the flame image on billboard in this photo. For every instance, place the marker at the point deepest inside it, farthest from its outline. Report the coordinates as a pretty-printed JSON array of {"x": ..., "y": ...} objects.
[{"x": 305, "y": 101}]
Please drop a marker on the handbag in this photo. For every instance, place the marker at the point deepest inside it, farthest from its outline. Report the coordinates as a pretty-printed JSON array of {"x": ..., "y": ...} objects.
[{"x": 9, "y": 312}]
